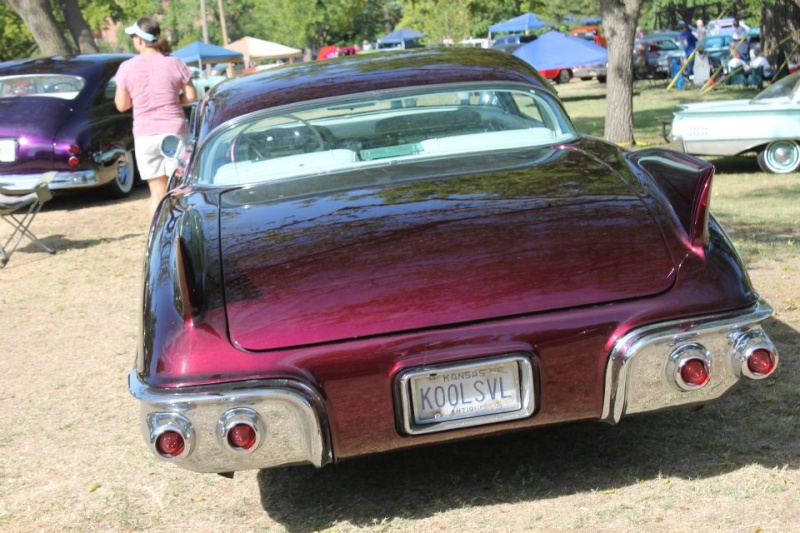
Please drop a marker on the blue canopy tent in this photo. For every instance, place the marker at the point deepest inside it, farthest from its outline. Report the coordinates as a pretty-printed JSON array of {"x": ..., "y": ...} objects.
[
  {"x": 401, "y": 38},
  {"x": 198, "y": 51},
  {"x": 592, "y": 20},
  {"x": 555, "y": 50},
  {"x": 525, "y": 22}
]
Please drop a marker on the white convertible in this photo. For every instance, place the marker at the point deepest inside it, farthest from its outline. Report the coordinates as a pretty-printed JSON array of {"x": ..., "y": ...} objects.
[{"x": 769, "y": 125}]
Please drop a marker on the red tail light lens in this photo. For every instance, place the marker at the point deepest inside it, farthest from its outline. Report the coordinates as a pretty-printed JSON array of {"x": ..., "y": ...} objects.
[
  {"x": 73, "y": 149},
  {"x": 695, "y": 372},
  {"x": 761, "y": 362},
  {"x": 73, "y": 161},
  {"x": 170, "y": 444},
  {"x": 242, "y": 436}
]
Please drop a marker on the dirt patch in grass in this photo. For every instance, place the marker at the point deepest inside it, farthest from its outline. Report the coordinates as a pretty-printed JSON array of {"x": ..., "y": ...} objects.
[{"x": 72, "y": 457}]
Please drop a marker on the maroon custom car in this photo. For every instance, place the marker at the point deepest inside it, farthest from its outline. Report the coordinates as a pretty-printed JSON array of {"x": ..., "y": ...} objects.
[
  {"x": 406, "y": 248},
  {"x": 57, "y": 114}
]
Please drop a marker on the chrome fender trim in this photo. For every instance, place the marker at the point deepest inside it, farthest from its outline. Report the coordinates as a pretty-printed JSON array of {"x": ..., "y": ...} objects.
[
  {"x": 289, "y": 417},
  {"x": 636, "y": 377}
]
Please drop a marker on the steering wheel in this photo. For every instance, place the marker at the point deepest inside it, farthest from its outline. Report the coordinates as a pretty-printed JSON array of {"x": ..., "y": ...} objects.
[{"x": 313, "y": 129}]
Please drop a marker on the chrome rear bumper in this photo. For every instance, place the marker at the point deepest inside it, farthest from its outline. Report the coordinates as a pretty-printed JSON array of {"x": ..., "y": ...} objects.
[
  {"x": 640, "y": 370},
  {"x": 288, "y": 418},
  {"x": 77, "y": 179}
]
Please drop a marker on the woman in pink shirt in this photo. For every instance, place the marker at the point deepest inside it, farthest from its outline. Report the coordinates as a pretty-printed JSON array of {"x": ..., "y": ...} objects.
[{"x": 156, "y": 85}]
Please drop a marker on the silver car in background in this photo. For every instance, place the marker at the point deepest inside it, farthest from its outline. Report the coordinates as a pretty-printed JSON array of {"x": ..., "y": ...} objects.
[{"x": 768, "y": 125}]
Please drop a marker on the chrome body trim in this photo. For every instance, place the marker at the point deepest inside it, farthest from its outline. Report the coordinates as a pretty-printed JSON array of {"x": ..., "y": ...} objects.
[
  {"x": 289, "y": 418},
  {"x": 637, "y": 369},
  {"x": 77, "y": 179},
  {"x": 723, "y": 146},
  {"x": 526, "y": 388}
]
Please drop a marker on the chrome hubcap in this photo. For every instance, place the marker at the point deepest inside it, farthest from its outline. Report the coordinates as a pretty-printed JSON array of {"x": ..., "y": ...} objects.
[
  {"x": 784, "y": 155},
  {"x": 123, "y": 175}
]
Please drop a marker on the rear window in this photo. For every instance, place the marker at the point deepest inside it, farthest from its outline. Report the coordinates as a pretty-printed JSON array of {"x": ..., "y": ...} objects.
[
  {"x": 51, "y": 85},
  {"x": 379, "y": 132}
]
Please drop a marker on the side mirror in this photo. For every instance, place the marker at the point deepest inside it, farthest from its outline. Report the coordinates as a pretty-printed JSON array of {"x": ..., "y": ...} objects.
[{"x": 170, "y": 146}]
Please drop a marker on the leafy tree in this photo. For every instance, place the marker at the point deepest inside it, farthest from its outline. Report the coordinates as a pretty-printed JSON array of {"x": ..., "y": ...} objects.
[
  {"x": 439, "y": 19},
  {"x": 40, "y": 21},
  {"x": 15, "y": 39}
]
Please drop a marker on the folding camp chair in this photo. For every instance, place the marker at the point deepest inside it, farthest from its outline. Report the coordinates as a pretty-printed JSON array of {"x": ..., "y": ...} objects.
[{"x": 18, "y": 209}]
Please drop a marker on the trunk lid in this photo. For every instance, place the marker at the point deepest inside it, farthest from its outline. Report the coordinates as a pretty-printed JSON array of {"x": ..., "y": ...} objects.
[
  {"x": 33, "y": 124},
  {"x": 312, "y": 262}
]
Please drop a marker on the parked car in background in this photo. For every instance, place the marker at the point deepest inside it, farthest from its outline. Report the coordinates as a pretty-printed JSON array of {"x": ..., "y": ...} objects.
[
  {"x": 591, "y": 32},
  {"x": 587, "y": 72},
  {"x": 653, "y": 53},
  {"x": 58, "y": 114},
  {"x": 768, "y": 125},
  {"x": 724, "y": 26},
  {"x": 395, "y": 250},
  {"x": 204, "y": 81},
  {"x": 511, "y": 42}
]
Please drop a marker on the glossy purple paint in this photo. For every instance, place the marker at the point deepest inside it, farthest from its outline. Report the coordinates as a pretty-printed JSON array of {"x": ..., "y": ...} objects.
[
  {"x": 556, "y": 254},
  {"x": 374, "y": 262}
]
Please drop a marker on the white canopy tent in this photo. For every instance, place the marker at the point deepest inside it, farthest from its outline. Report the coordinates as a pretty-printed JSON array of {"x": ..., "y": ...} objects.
[{"x": 252, "y": 48}]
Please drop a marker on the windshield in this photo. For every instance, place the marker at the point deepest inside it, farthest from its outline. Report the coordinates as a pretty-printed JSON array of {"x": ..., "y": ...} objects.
[
  {"x": 378, "y": 132},
  {"x": 784, "y": 91},
  {"x": 52, "y": 85}
]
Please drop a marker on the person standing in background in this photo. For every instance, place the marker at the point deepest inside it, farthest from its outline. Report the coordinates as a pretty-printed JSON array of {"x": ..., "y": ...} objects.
[
  {"x": 739, "y": 40},
  {"x": 688, "y": 41},
  {"x": 700, "y": 32},
  {"x": 155, "y": 85}
]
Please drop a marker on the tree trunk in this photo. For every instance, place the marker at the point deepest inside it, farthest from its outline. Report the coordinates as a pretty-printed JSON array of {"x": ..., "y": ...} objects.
[
  {"x": 779, "y": 21},
  {"x": 38, "y": 17},
  {"x": 77, "y": 26},
  {"x": 619, "y": 23}
]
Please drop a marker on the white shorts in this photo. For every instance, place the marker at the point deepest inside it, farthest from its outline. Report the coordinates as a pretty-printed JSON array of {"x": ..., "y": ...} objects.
[{"x": 150, "y": 162}]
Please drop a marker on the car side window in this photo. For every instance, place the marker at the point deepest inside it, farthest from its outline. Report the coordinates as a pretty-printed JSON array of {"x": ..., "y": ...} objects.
[{"x": 110, "y": 90}]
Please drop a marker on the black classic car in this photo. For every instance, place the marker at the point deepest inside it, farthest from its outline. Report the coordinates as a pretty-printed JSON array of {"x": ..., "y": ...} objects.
[{"x": 58, "y": 114}]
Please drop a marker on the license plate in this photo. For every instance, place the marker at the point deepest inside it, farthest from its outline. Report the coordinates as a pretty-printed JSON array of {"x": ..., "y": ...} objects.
[
  {"x": 438, "y": 398},
  {"x": 8, "y": 150}
]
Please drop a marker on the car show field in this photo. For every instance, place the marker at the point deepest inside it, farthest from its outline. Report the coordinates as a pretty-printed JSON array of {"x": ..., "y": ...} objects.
[{"x": 71, "y": 453}]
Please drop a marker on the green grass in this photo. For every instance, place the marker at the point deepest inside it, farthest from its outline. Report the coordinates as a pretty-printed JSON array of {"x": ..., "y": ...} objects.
[{"x": 760, "y": 211}]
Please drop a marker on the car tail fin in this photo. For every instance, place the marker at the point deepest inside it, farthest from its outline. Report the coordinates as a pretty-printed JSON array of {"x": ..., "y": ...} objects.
[{"x": 686, "y": 182}]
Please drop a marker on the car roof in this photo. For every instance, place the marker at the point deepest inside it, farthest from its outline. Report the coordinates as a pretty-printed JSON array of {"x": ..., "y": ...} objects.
[
  {"x": 362, "y": 73},
  {"x": 77, "y": 65}
]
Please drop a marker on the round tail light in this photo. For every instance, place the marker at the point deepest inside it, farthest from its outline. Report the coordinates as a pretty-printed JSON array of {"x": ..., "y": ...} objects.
[
  {"x": 170, "y": 444},
  {"x": 754, "y": 355},
  {"x": 242, "y": 436},
  {"x": 240, "y": 430},
  {"x": 761, "y": 362},
  {"x": 695, "y": 372},
  {"x": 689, "y": 367},
  {"x": 73, "y": 161}
]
